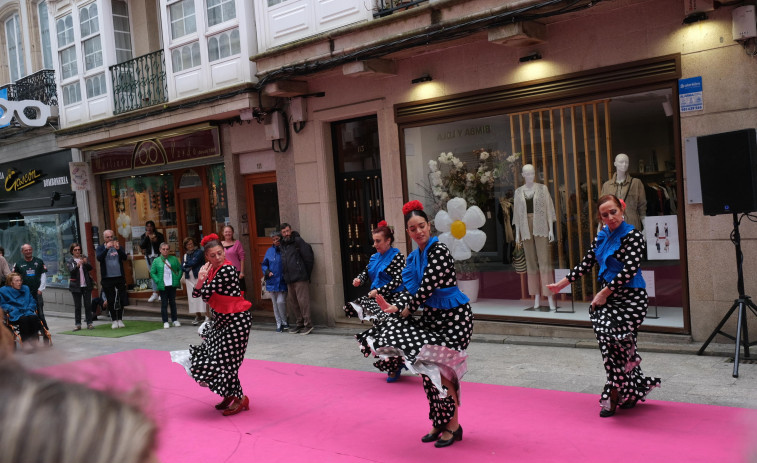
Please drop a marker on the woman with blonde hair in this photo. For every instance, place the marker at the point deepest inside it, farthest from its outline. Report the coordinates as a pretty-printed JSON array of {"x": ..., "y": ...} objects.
[{"x": 46, "y": 420}]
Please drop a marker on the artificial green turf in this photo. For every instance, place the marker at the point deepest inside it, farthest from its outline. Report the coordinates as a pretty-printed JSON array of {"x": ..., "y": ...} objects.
[{"x": 105, "y": 331}]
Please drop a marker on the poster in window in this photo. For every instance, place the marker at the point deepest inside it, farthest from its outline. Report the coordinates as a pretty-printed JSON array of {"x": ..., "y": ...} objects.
[{"x": 661, "y": 232}]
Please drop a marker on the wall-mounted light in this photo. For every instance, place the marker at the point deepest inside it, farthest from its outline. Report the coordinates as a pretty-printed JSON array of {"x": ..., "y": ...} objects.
[
  {"x": 423, "y": 78},
  {"x": 532, "y": 57},
  {"x": 695, "y": 17}
]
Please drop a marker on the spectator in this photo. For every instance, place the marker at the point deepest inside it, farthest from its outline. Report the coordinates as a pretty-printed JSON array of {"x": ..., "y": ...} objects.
[
  {"x": 166, "y": 274},
  {"x": 194, "y": 259},
  {"x": 46, "y": 420},
  {"x": 150, "y": 245},
  {"x": 234, "y": 253},
  {"x": 274, "y": 282},
  {"x": 113, "y": 281},
  {"x": 17, "y": 301},
  {"x": 34, "y": 275},
  {"x": 5, "y": 269},
  {"x": 80, "y": 284},
  {"x": 296, "y": 266}
]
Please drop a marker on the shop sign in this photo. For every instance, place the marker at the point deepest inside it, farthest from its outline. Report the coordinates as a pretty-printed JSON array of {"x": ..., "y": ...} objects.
[
  {"x": 690, "y": 94},
  {"x": 33, "y": 179},
  {"x": 11, "y": 109},
  {"x": 157, "y": 151}
]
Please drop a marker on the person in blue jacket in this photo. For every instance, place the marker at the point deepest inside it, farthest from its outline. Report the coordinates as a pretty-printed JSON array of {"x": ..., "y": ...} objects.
[
  {"x": 274, "y": 282},
  {"x": 16, "y": 300}
]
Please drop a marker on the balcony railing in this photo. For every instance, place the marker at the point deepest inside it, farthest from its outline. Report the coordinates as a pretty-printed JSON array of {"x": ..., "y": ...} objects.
[
  {"x": 139, "y": 82},
  {"x": 387, "y": 7},
  {"x": 39, "y": 86}
]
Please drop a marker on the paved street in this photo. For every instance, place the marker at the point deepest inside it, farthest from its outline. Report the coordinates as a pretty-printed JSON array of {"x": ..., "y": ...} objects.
[{"x": 513, "y": 361}]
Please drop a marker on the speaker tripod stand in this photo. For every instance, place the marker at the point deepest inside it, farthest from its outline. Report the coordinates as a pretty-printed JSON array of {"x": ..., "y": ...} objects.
[{"x": 740, "y": 304}]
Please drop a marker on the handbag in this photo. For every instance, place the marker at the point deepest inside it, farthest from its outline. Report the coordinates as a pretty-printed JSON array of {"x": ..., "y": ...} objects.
[
  {"x": 519, "y": 259},
  {"x": 264, "y": 293}
]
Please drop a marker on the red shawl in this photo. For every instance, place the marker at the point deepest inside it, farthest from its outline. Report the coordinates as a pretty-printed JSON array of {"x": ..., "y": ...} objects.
[{"x": 226, "y": 304}]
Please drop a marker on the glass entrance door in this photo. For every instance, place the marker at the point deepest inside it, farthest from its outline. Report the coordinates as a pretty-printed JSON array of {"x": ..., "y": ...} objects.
[{"x": 359, "y": 194}]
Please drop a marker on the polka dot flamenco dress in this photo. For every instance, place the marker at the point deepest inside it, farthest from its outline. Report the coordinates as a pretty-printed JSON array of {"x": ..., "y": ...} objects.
[
  {"x": 386, "y": 279},
  {"x": 434, "y": 344},
  {"x": 215, "y": 363},
  {"x": 616, "y": 323}
]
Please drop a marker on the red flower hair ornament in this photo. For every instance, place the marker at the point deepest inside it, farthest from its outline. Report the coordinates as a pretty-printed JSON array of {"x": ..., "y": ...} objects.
[
  {"x": 414, "y": 205},
  {"x": 622, "y": 203},
  {"x": 209, "y": 238},
  {"x": 382, "y": 224}
]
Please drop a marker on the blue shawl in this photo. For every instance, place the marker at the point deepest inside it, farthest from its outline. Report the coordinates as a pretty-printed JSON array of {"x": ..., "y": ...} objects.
[
  {"x": 17, "y": 302},
  {"x": 608, "y": 243},
  {"x": 377, "y": 266},
  {"x": 412, "y": 274}
]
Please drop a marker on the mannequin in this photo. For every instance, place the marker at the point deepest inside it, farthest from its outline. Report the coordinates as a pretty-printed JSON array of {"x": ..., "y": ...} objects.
[
  {"x": 629, "y": 189},
  {"x": 533, "y": 215}
]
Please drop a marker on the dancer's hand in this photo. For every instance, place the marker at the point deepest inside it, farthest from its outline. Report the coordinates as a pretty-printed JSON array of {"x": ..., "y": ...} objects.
[
  {"x": 372, "y": 293},
  {"x": 356, "y": 282},
  {"x": 385, "y": 306},
  {"x": 203, "y": 273}
]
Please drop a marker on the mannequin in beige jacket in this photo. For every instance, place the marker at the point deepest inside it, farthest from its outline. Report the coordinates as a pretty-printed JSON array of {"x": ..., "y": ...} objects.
[
  {"x": 630, "y": 190},
  {"x": 533, "y": 216}
]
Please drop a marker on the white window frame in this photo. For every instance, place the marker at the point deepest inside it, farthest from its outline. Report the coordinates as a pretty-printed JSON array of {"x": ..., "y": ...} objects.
[
  {"x": 65, "y": 93},
  {"x": 180, "y": 49},
  {"x": 103, "y": 88},
  {"x": 220, "y": 6},
  {"x": 126, "y": 32},
  {"x": 17, "y": 69},
  {"x": 45, "y": 44},
  {"x": 90, "y": 38},
  {"x": 187, "y": 36},
  {"x": 217, "y": 35}
]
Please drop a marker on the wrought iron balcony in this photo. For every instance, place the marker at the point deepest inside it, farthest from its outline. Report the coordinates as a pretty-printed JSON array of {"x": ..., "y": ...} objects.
[
  {"x": 139, "y": 82},
  {"x": 387, "y": 7},
  {"x": 39, "y": 86}
]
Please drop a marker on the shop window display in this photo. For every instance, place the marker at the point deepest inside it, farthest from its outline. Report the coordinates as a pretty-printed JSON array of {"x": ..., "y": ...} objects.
[
  {"x": 577, "y": 152},
  {"x": 135, "y": 201},
  {"x": 219, "y": 204},
  {"x": 50, "y": 235}
]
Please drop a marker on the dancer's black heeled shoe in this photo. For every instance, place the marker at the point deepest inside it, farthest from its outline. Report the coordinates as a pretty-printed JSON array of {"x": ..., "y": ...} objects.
[
  {"x": 628, "y": 404},
  {"x": 604, "y": 413},
  {"x": 456, "y": 435},
  {"x": 431, "y": 437}
]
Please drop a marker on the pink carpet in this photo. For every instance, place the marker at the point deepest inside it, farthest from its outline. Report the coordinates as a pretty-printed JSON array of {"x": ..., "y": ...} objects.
[{"x": 313, "y": 414}]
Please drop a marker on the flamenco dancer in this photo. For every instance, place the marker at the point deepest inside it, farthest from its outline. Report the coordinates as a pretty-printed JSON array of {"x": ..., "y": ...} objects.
[
  {"x": 433, "y": 345},
  {"x": 384, "y": 270},
  {"x": 215, "y": 363},
  {"x": 619, "y": 307}
]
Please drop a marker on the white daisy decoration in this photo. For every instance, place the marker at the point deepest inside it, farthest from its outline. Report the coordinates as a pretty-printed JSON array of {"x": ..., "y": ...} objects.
[{"x": 459, "y": 225}]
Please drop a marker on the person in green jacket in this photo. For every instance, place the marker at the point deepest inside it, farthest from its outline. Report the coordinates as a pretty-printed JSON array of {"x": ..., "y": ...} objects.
[{"x": 166, "y": 273}]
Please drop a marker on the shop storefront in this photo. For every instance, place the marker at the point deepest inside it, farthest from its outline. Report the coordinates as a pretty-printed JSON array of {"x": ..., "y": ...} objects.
[
  {"x": 175, "y": 179},
  {"x": 571, "y": 129},
  {"x": 38, "y": 207}
]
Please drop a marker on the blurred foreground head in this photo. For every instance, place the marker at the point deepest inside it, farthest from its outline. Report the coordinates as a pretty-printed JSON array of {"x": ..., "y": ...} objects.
[{"x": 46, "y": 420}]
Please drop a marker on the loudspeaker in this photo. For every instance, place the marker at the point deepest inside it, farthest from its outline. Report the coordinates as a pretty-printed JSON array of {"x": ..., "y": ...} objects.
[{"x": 728, "y": 172}]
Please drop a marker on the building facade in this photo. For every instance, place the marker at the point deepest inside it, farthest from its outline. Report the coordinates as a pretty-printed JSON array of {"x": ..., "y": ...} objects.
[
  {"x": 565, "y": 89},
  {"x": 37, "y": 203}
]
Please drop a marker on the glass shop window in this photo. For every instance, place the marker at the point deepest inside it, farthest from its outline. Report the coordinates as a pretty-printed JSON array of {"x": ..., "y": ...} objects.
[
  {"x": 575, "y": 150},
  {"x": 219, "y": 201},
  {"x": 49, "y": 234},
  {"x": 135, "y": 201}
]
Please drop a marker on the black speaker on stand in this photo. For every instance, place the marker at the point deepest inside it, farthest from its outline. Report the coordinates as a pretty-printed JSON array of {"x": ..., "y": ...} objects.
[{"x": 728, "y": 173}]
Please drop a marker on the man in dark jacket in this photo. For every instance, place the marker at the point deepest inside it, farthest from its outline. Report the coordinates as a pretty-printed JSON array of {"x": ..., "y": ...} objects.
[
  {"x": 34, "y": 275},
  {"x": 296, "y": 266}
]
